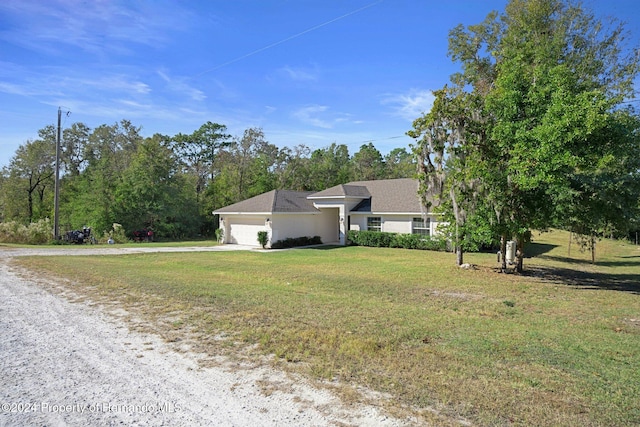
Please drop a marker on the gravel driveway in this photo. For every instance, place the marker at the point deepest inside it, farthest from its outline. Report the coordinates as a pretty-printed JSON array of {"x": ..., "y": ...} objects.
[{"x": 70, "y": 363}]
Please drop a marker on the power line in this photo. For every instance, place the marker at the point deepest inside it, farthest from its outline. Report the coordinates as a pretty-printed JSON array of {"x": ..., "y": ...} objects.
[
  {"x": 56, "y": 202},
  {"x": 262, "y": 49},
  {"x": 384, "y": 139}
]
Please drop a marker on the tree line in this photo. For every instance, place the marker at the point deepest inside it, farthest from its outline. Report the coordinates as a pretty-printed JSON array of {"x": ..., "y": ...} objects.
[{"x": 171, "y": 184}]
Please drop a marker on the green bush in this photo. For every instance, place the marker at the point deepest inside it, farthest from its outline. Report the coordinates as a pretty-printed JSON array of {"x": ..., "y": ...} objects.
[
  {"x": 293, "y": 242},
  {"x": 219, "y": 235},
  {"x": 395, "y": 240},
  {"x": 116, "y": 233},
  {"x": 376, "y": 239},
  {"x": 35, "y": 233},
  {"x": 263, "y": 238}
]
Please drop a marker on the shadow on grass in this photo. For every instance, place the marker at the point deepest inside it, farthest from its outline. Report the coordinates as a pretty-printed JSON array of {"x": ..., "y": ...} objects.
[
  {"x": 635, "y": 263},
  {"x": 588, "y": 280},
  {"x": 537, "y": 249},
  {"x": 323, "y": 247}
]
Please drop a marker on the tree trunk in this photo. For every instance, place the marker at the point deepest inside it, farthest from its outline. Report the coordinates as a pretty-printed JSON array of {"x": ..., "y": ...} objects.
[
  {"x": 519, "y": 254},
  {"x": 30, "y": 205},
  {"x": 503, "y": 253},
  {"x": 459, "y": 251},
  {"x": 593, "y": 249}
]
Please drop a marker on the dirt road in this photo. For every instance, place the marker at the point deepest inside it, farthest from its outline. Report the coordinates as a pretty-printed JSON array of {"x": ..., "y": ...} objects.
[{"x": 71, "y": 363}]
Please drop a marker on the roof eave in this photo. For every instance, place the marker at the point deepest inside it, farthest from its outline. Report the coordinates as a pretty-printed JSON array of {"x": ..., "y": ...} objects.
[
  {"x": 337, "y": 197},
  {"x": 241, "y": 213},
  {"x": 394, "y": 213},
  {"x": 266, "y": 213}
]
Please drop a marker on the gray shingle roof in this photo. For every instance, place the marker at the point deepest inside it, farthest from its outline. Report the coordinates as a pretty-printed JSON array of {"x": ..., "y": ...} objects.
[
  {"x": 390, "y": 195},
  {"x": 343, "y": 190},
  {"x": 274, "y": 201},
  {"x": 385, "y": 195}
]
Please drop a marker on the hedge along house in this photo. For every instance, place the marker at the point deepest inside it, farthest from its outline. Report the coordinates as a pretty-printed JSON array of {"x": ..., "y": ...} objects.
[{"x": 389, "y": 205}]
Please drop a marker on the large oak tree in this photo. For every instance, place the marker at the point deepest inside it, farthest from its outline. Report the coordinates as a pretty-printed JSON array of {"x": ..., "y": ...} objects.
[{"x": 541, "y": 87}]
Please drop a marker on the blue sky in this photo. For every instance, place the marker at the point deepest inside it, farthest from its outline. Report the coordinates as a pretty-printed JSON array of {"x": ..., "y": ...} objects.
[{"x": 307, "y": 72}]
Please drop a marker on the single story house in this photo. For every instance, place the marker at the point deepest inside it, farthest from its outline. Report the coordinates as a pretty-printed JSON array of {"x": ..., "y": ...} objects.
[{"x": 390, "y": 205}]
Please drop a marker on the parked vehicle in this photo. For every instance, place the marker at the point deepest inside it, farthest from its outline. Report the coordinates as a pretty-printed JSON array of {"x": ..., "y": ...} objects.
[
  {"x": 144, "y": 235},
  {"x": 80, "y": 236}
]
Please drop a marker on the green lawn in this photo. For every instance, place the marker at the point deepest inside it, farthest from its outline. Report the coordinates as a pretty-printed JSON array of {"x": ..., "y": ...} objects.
[
  {"x": 131, "y": 244},
  {"x": 557, "y": 346}
]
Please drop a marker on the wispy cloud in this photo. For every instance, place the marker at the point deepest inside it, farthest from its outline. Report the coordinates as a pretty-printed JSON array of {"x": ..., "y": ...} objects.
[
  {"x": 111, "y": 83},
  {"x": 106, "y": 94},
  {"x": 300, "y": 73},
  {"x": 18, "y": 89},
  {"x": 320, "y": 116},
  {"x": 92, "y": 26},
  {"x": 410, "y": 105},
  {"x": 115, "y": 109},
  {"x": 180, "y": 86},
  {"x": 310, "y": 115},
  {"x": 54, "y": 81}
]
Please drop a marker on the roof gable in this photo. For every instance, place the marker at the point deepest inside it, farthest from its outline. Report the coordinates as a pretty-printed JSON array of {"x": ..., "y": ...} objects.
[
  {"x": 391, "y": 195},
  {"x": 293, "y": 201},
  {"x": 274, "y": 201},
  {"x": 342, "y": 190}
]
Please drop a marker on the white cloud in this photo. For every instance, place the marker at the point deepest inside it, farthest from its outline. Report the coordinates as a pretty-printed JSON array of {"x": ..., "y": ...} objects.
[
  {"x": 61, "y": 82},
  {"x": 113, "y": 83},
  {"x": 320, "y": 116},
  {"x": 300, "y": 73},
  {"x": 92, "y": 26},
  {"x": 16, "y": 89},
  {"x": 410, "y": 105},
  {"x": 310, "y": 115},
  {"x": 180, "y": 86},
  {"x": 133, "y": 104}
]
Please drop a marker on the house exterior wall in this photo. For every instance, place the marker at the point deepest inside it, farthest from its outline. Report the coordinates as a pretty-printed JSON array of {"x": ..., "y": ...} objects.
[
  {"x": 339, "y": 215},
  {"x": 323, "y": 224},
  {"x": 392, "y": 223},
  {"x": 396, "y": 224},
  {"x": 243, "y": 228},
  {"x": 328, "y": 226}
]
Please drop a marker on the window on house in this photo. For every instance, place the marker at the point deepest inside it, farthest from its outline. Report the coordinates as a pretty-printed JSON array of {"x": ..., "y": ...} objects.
[
  {"x": 421, "y": 226},
  {"x": 374, "y": 223}
]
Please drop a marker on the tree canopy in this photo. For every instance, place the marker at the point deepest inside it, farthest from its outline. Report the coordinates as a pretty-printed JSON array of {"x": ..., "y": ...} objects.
[
  {"x": 171, "y": 184},
  {"x": 535, "y": 130}
]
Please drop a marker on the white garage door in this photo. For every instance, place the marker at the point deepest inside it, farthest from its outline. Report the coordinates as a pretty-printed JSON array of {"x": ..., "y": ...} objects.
[{"x": 245, "y": 231}]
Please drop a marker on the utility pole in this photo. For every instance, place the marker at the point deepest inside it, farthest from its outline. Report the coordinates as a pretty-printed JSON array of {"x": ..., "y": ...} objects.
[{"x": 56, "y": 202}]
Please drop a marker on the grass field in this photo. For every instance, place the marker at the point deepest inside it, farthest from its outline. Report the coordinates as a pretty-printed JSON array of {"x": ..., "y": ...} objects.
[
  {"x": 559, "y": 345},
  {"x": 131, "y": 244}
]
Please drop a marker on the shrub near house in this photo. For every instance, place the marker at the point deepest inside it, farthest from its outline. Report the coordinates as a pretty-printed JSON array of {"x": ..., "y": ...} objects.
[
  {"x": 263, "y": 238},
  {"x": 396, "y": 240},
  {"x": 297, "y": 242}
]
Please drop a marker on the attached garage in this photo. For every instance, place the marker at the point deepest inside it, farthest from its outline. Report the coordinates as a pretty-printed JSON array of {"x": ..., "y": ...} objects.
[
  {"x": 242, "y": 221},
  {"x": 244, "y": 230}
]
